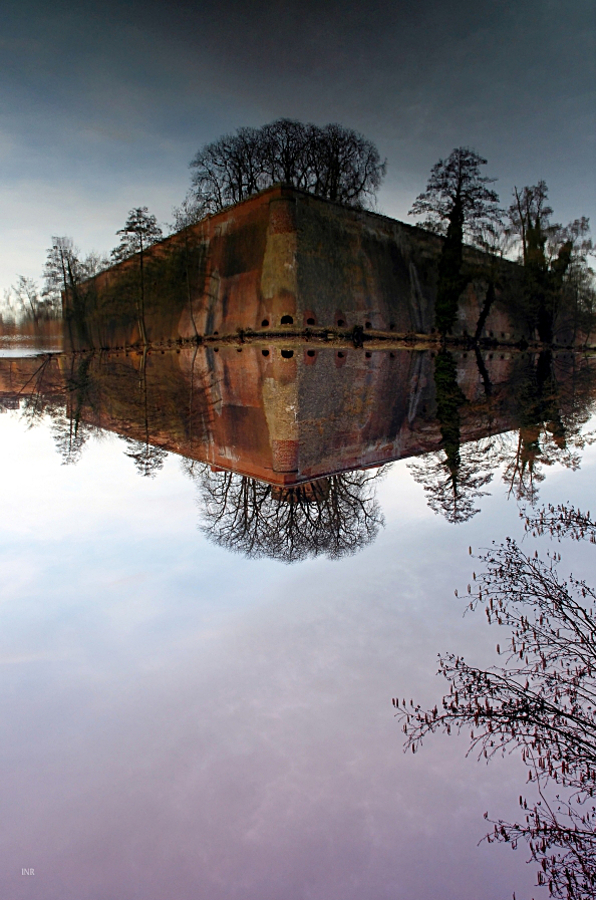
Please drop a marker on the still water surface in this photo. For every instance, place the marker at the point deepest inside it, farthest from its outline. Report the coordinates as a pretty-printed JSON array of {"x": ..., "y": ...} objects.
[{"x": 212, "y": 592}]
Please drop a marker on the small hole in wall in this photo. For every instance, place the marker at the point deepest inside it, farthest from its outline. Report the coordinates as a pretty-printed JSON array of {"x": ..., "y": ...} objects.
[
  {"x": 287, "y": 354},
  {"x": 491, "y": 334},
  {"x": 216, "y": 349},
  {"x": 265, "y": 352},
  {"x": 340, "y": 355},
  {"x": 368, "y": 355},
  {"x": 367, "y": 325},
  {"x": 340, "y": 323},
  {"x": 310, "y": 321},
  {"x": 216, "y": 332},
  {"x": 287, "y": 320},
  {"x": 392, "y": 356},
  {"x": 238, "y": 349},
  {"x": 310, "y": 352},
  {"x": 265, "y": 323},
  {"x": 391, "y": 326}
]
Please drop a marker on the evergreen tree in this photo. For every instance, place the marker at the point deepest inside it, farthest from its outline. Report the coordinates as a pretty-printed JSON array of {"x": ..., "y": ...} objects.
[
  {"x": 457, "y": 202},
  {"x": 139, "y": 233}
]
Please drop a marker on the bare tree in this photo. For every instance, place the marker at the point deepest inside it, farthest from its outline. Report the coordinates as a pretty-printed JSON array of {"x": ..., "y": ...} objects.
[
  {"x": 65, "y": 274},
  {"x": 529, "y": 218},
  {"x": 70, "y": 429},
  {"x": 26, "y": 301},
  {"x": 334, "y": 516},
  {"x": 190, "y": 211},
  {"x": 344, "y": 165},
  {"x": 540, "y": 701},
  {"x": 38, "y": 399},
  {"x": 555, "y": 260},
  {"x": 286, "y": 145},
  {"x": 333, "y": 162}
]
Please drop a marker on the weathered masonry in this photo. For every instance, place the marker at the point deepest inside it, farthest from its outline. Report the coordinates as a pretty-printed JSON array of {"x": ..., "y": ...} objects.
[
  {"x": 292, "y": 419},
  {"x": 285, "y": 261}
]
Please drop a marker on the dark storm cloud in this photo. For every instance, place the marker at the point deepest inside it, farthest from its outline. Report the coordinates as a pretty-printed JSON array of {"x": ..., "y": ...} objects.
[{"x": 103, "y": 105}]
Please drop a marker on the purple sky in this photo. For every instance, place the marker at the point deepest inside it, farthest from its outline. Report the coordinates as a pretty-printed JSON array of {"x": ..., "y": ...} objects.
[{"x": 179, "y": 722}]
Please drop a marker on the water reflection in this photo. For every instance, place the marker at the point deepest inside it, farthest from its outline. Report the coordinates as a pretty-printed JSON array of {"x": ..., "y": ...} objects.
[
  {"x": 334, "y": 516},
  {"x": 290, "y": 460},
  {"x": 281, "y": 442},
  {"x": 539, "y": 701}
]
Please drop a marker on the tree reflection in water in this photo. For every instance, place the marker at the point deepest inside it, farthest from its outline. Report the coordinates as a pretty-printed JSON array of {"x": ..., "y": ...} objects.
[
  {"x": 551, "y": 401},
  {"x": 334, "y": 516},
  {"x": 453, "y": 483},
  {"x": 452, "y": 477},
  {"x": 66, "y": 409},
  {"x": 540, "y": 701},
  {"x": 148, "y": 459},
  {"x": 552, "y": 413}
]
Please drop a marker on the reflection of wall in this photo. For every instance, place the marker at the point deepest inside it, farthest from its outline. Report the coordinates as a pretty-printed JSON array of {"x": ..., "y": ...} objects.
[
  {"x": 282, "y": 259},
  {"x": 281, "y": 419}
]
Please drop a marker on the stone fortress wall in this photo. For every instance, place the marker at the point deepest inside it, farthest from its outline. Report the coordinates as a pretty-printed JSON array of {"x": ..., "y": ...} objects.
[{"x": 281, "y": 262}]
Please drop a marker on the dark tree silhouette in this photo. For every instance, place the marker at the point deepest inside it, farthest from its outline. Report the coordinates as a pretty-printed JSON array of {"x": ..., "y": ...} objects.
[
  {"x": 457, "y": 202},
  {"x": 65, "y": 274},
  {"x": 453, "y": 486},
  {"x": 190, "y": 211},
  {"x": 333, "y": 162},
  {"x": 139, "y": 233},
  {"x": 38, "y": 399},
  {"x": 554, "y": 257},
  {"x": 451, "y": 480},
  {"x": 334, "y": 516},
  {"x": 551, "y": 411},
  {"x": 69, "y": 429},
  {"x": 539, "y": 701},
  {"x": 148, "y": 459}
]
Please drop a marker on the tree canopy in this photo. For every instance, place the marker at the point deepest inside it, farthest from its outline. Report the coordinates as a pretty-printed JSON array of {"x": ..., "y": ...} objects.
[
  {"x": 457, "y": 202},
  {"x": 139, "y": 232},
  {"x": 332, "y": 161},
  {"x": 457, "y": 194},
  {"x": 555, "y": 260},
  {"x": 334, "y": 516}
]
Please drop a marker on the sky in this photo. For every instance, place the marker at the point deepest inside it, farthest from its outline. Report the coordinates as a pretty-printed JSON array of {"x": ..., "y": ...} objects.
[
  {"x": 177, "y": 721},
  {"x": 103, "y": 105}
]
